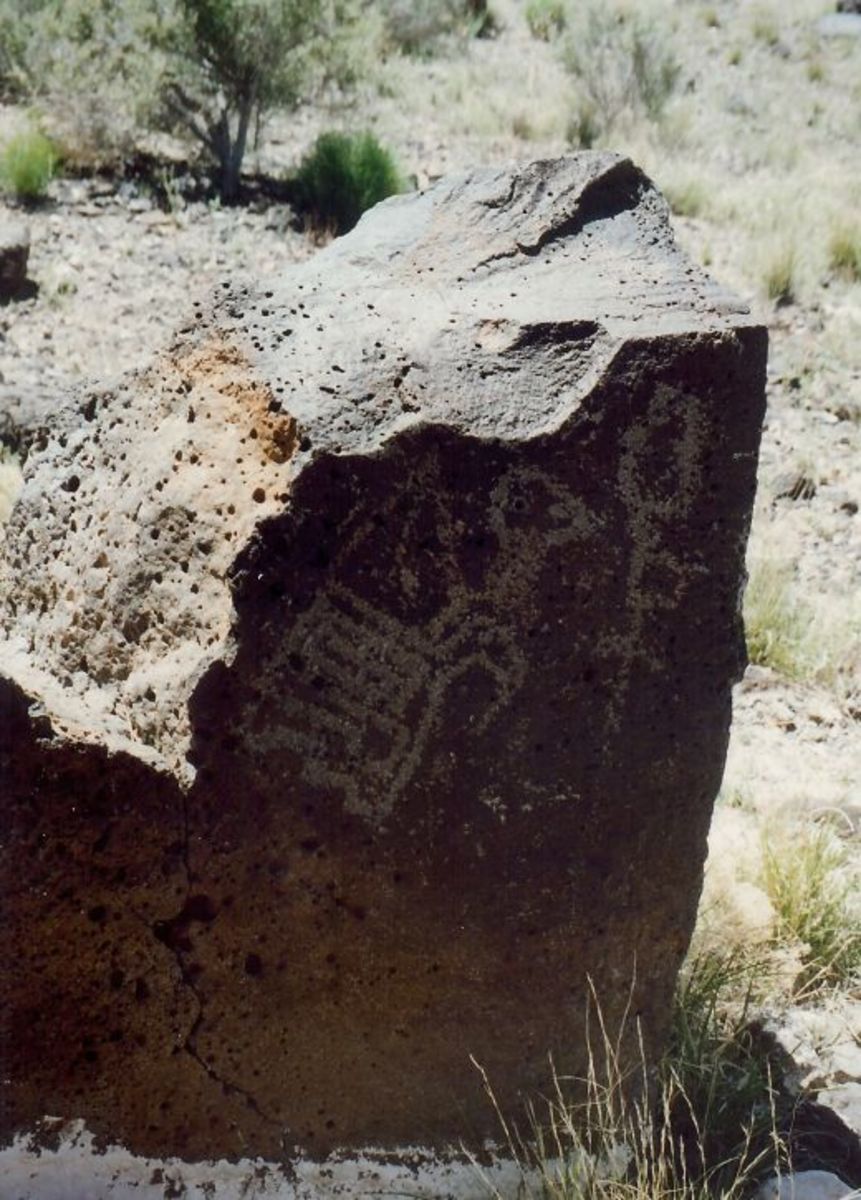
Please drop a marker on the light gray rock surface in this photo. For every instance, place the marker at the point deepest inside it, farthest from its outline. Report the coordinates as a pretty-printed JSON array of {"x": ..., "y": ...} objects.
[{"x": 365, "y": 676}]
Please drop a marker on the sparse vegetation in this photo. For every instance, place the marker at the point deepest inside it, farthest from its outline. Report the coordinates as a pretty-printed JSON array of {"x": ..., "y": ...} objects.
[
  {"x": 342, "y": 176},
  {"x": 776, "y": 623},
  {"x": 779, "y": 272},
  {"x": 844, "y": 251},
  {"x": 623, "y": 67},
  {"x": 706, "y": 1124},
  {"x": 764, "y": 27},
  {"x": 546, "y": 18},
  {"x": 814, "y": 890},
  {"x": 27, "y": 165},
  {"x": 421, "y": 27},
  {"x": 686, "y": 196}
]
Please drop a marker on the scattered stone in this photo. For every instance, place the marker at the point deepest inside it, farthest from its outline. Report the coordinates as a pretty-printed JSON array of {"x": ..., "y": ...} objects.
[
  {"x": 366, "y": 679},
  {"x": 14, "y": 253},
  {"x": 840, "y": 24},
  {"x": 817, "y": 1052},
  {"x": 805, "y": 1185}
]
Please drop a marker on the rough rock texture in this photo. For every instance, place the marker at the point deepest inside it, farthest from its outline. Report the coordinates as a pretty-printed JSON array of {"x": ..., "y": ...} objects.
[
  {"x": 14, "y": 253},
  {"x": 816, "y": 1053},
  {"x": 366, "y": 681}
]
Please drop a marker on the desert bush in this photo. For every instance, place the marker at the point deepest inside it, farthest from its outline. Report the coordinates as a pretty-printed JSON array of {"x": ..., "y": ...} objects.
[
  {"x": 27, "y": 165},
  {"x": 342, "y": 176},
  {"x": 844, "y": 251},
  {"x": 546, "y": 18},
  {"x": 421, "y": 27},
  {"x": 92, "y": 68},
  {"x": 228, "y": 62},
  {"x": 811, "y": 885},
  {"x": 623, "y": 66}
]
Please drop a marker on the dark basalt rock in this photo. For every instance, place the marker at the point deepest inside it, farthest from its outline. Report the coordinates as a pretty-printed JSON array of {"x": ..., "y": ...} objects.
[{"x": 367, "y": 673}]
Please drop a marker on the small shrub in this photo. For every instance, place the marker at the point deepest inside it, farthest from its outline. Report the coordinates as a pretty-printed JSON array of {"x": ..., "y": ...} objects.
[
  {"x": 27, "y": 165},
  {"x": 420, "y": 27},
  {"x": 342, "y": 176},
  {"x": 623, "y": 66},
  {"x": 546, "y": 18},
  {"x": 811, "y": 888},
  {"x": 229, "y": 62},
  {"x": 844, "y": 252}
]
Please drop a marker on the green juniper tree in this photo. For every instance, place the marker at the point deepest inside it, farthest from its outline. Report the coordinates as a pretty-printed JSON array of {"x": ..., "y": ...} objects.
[{"x": 230, "y": 61}]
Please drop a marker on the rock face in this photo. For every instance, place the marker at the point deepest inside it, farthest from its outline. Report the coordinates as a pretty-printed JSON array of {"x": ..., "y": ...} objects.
[
  {"x": 14, "y": 254},
  {"x": 366, "y": 678}
]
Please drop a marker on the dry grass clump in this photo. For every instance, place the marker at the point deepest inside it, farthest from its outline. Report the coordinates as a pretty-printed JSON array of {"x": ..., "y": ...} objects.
[
  {"x": 779, "y": 272},
  {"x": 813, "y": 886},
  {"x": 844, "y": 251},
  {"x": 777, "y": 624},
  {"x": 701, "y": 1124},
  {"x": 803, "y": 638}
]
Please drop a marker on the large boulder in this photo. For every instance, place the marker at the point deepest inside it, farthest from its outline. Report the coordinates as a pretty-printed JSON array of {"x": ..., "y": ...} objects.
[{"x": 366, "y": 679}]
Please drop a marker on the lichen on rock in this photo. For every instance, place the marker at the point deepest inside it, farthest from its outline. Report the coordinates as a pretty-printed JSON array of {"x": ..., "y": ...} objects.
[{"x": 366, "y": 673}]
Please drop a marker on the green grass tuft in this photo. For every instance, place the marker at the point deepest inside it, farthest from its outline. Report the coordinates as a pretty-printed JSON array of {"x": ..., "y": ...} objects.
[
  {"x": 546, "y": 18},
  {"x": 844, "y": 251},
  {"x": 809, "y": 880},
  {"x": 776, "y": 624},
  {"x": 27, "y": 165},
  {"x": 341, "y": 177}
]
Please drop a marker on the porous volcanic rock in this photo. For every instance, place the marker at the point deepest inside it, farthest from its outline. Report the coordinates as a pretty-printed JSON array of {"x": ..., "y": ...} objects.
[
  {"x": 14, "y": 255},
  {"x": 366, "y": 678}
]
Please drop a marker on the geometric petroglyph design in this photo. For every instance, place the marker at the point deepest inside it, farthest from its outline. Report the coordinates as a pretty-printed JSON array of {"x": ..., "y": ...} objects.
[{"x": 381, "y": 693}]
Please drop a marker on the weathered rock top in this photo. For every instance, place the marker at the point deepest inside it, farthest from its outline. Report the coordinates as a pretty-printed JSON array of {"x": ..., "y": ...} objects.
[{"x": 147, "y": 505}]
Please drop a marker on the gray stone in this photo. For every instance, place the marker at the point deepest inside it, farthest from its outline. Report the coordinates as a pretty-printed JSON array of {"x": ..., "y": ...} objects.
[
  {"x": 840, "y": 24},
  {"x": 805, "y": 1185},
  {"x": 366, "y": 671},
  {"x": 14, "y": 253},
  {"x": 817, "y": 1055}
]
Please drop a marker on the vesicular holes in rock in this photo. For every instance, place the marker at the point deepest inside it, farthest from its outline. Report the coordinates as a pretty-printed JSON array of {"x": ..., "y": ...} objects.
[{"x": 253, "y": 965}]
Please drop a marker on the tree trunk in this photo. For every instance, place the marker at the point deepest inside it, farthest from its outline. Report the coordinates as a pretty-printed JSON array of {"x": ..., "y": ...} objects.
[{"x": 231, "y": 163}]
